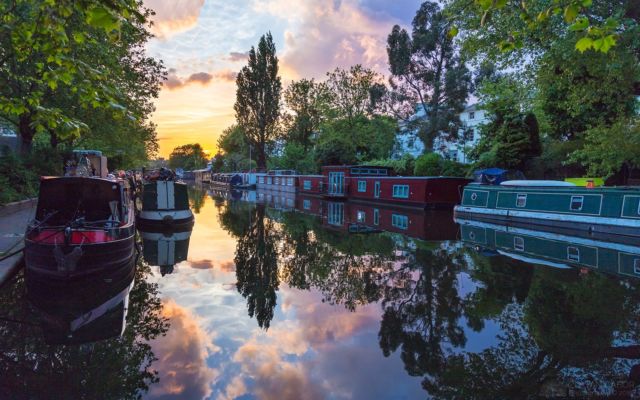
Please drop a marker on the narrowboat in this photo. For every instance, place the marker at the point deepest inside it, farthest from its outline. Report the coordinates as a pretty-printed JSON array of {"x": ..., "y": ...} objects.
[
  {"x": 554, "y": 247},
  {"x": 165, "y": 249},
  {"x": 555, "y": 204},
  {"x": 226, "y": 180},
  {"x": 82, "y": 311},
  {"x": 165, "y": 201},
  {"x": 380, "y": 184},
  {"x": 277, "y": 180},
  {"x": 84, "y": 223}
]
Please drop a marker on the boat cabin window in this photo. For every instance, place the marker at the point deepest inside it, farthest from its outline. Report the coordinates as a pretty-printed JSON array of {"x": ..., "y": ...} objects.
[
  {"x": 636, "y": 266},
  {"x": 361, "y": 216},
  {"x": 518, "y": 243},
  {"x": 400, "y": 221},
  {"x": 362, "y": 186},
  {"x": 306, "y": 185},
  {"x": 376, "y": 216},
  {"x": 573, "y": 254},
  {"x": 261, "y": 179},
  {"x": 639, "y": 208},
  {"x": 521, "y": 200},
  {"x": 576, "y": 203},
  {"x": 306, "y": 204},
  {"x": 401, "y": 191},
  {"x": 290, "y": 181},
  {"x": 269, "y": 181},
  {"x": 369, "y": 171}
]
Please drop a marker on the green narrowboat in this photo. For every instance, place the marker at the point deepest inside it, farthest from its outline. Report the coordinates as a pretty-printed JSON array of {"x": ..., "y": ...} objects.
[
  {"x": 609, "y": 210},
  {"x": 555, "y": 248},
  {"x": 165, "y": 203}
]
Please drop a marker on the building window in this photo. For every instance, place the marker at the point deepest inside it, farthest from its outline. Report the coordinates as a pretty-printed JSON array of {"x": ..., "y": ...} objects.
[
  {"x": 518, "y": 243},
  {"x": 472, "y": 115},
  {"x": 400, "y": 221},
  {"x": 376, "y": 216},
  {"x": 361, "y": 216},
  {"x": 362, "y": 186},
  {"x": 573, "y": 254},
  {"x": 306, "y": 185},
  {"x": 521, "y": 200},
  {"x": 306, "y": 204},
  {"x": 576, "y": 203},
  {"x": 401, "y": 191}
]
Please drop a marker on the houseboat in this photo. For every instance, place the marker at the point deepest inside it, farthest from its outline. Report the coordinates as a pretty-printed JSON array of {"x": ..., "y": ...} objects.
[
  {"x": 165, "y": 201},
  {"x": 226, "y": 180},
  {"x": 84, "y": 222},
  {"x": 165, "y": 249},
  {"x": 555, "y": 204},
  {"x": 82, "y": 311},
  {"x": 555, "y": 248},
  {"x": 277, "y": 180},
  {"x": 380, "y": 184}
]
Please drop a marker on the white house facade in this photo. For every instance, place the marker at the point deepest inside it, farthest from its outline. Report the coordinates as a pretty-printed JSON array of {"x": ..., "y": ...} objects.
[{"x": 408, "y": 142}]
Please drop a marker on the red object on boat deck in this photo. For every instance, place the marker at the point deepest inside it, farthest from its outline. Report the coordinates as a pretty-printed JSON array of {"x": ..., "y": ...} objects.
[
  {"x": 590, "y": 184},
  {"x": 48, "y": 236}
]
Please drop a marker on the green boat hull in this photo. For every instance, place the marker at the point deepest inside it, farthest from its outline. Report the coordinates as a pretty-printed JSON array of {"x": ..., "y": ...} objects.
[{"x": 598, "y": 210}]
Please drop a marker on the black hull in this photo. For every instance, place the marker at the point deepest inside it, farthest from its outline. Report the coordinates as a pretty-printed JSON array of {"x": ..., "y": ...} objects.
[
  {"x": 43, "y": 259},
  {"x": 154, "y": 225}
]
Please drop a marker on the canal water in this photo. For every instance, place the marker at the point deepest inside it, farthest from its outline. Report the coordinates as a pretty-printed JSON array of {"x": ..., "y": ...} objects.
[{"x": 272, "y": 297}]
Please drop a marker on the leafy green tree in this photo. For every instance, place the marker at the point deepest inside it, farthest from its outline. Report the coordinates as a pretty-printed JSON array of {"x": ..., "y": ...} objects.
[
  {"x": 350, "y": 140},
  {"x": 426, "y": 70},
  {"x": 607, "y": 149},
  {"x": 429, "y": 164},
  {"x": 354, "y": 93},
  {"x": 188, "y": 157},
  {"x": 511, "y": 138},
  {"x": 307, "y": 100},
  {"x": 235, "y": 146},
  {"x": 257, "y": 104},
  {"x": 43, "y": 55},
  {"x": 297, "y": 158}
]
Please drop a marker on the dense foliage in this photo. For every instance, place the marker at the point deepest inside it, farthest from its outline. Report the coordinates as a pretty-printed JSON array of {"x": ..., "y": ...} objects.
[{"x": 188, "y": 157}]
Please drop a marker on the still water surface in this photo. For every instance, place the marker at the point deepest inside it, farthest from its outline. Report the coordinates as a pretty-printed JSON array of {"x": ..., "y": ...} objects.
[{"x": 303, "y": 299}]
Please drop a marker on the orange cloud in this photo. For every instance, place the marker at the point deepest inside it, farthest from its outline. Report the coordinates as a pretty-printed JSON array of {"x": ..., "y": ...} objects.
[
  {"x": 182, "y": 354},
  {"x": 173, "y": 16}
]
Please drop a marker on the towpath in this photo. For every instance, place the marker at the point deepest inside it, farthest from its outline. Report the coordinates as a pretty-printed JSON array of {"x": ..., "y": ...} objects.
[{"x": 14, "y": 219}]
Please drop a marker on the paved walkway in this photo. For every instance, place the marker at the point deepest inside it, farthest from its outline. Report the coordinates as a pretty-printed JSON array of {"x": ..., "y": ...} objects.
[{"x": 14, "y": 219}]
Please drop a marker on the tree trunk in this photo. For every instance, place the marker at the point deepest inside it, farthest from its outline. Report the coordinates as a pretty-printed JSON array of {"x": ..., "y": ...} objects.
[
  {"x": 26, "y": 132},
  {"x": 53, "y": 139},
  {"x": 262, "y": 157}
]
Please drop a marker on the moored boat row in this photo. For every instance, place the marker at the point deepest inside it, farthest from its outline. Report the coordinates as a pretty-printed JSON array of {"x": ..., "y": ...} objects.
[{"x": 555, "y": 204}]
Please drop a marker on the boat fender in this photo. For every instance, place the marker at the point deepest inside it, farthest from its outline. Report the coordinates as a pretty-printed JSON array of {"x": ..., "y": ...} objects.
[{"x": 167, "y": 220}]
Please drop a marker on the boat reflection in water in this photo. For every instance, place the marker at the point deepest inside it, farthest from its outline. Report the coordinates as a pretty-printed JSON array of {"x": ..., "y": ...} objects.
[
  {"x": 555, "y": 248},
  {"x": 165, "y": 248},
  {"x": 82, "y": 311}
]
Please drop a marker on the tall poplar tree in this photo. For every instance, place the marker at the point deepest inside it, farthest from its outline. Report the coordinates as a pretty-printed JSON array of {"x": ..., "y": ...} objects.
[
  {"x": 258, "y": 97},
  {"x": 426, "y": 71}
]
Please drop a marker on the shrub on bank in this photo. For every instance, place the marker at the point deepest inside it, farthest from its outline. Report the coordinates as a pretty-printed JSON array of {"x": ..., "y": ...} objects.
[{"x": 20, "y": 176}]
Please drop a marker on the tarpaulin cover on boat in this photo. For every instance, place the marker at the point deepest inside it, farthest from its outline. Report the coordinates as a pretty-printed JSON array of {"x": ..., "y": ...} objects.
[
  {"x": 75, "y": 197},
  {"x": 494, "y": 176}
]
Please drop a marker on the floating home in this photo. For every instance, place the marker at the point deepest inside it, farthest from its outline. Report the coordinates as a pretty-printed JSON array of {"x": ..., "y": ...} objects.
[
  {"x": 555, "y": 248},
  {"x": 165, "y": 203},
  {"x": 277, "y": 180},
  {"x": 84, "y": 221},
  {"x": 555, "y": 204},
  {"x": 380, "y": 184}
]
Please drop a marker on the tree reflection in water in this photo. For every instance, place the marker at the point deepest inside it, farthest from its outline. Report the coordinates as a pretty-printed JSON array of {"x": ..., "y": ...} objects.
[
  {"x": 559, "y": 332},
  {"x": 116, "y": 368}
]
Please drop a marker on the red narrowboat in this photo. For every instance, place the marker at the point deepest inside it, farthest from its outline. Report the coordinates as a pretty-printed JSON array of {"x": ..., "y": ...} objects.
[{"x": 380, "y": 184}]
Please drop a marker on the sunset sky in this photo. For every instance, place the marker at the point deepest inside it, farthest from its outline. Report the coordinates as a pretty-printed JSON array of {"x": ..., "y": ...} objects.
[{"x": 203, "y": 44}]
